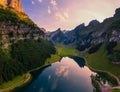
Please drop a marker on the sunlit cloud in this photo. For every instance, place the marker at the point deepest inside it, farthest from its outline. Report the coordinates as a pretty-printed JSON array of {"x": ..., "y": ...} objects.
[
  {"x": 60, "y": 17},
  {"x": 49, "y": 10},
  {"x": 79, "y": 11},
  {"x": 40, "y": 1},
  {"x": 53, "y": 2},
  {"x": 66, "y": 15},
  {"x": 33, "y": 2}
]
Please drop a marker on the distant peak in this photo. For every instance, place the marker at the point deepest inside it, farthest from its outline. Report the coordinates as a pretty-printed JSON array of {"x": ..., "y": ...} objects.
[
  {"x": 59, "y": 29},
  {"x": 82, "y": 25},
  {"x": 43, "y": 29},
  {"x": 79, "y": 27},
  {"x": 93, "y": 23},
  {"x": 117, "y": 12}
]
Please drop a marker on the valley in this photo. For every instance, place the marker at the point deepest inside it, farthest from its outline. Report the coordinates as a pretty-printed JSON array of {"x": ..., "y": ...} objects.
[{"x": 35, "y": 60}]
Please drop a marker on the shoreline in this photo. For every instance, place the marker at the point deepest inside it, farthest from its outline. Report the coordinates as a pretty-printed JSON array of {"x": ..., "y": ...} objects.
[
  {"x": 109, "y": 74},
  {"x": 9, "y": 89},
  {"x": 23, "y": 82},
  {"x": 63, "y": 55},
  {"x": 31, "y": 77}
]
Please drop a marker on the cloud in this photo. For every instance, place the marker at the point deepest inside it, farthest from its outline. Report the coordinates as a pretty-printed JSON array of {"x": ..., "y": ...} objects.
[
  {"x": 60, "y": 17},
  {"x": 66, "y": 15},
  {"x": 40, "y": 1},
  {"x": 53, "y": 2},
  {"x": 49, "y": 10},
  {"x": 33, "y": 2}
]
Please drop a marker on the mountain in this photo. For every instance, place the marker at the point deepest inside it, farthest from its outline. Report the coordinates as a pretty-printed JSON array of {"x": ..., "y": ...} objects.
[
  {"x": 15, "y": 24},
  {"x": 74, "y": 36},
  {"x": 16, "y": 4},
  {"x": 94, "y": 33},
  {"x": 57, "y": 36},
  {"x": 22, "y": 43}
]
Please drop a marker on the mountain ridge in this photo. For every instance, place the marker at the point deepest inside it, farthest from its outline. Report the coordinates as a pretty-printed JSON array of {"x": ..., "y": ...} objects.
[{"x": 94, "y": 33}]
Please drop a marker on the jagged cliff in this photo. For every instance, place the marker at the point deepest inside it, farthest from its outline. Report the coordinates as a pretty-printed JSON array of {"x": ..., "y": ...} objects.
[{"x": 16, "y": 4}]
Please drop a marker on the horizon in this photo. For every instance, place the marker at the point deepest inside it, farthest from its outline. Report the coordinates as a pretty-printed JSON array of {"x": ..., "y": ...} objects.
[{"x": 67, "y": 17}]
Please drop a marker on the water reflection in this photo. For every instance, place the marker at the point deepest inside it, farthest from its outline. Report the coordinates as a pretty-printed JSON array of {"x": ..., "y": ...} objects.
[
  {"x": 78, "y": 60},
  {"x": 67, "y": 75}
]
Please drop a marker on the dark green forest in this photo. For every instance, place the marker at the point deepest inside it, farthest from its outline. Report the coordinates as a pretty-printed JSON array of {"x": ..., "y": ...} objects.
[{"x": 25, "y": 55}]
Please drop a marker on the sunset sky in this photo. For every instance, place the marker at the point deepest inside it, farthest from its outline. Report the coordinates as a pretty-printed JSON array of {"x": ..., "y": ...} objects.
[{"x": 66, "y": 14}]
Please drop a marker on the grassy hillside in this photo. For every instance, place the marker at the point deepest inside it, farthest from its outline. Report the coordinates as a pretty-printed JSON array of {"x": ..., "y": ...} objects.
[
  {"x": 15, "y": 17},
  {"x": 100, "y": 61},
  {"x": 116, "y": 90}
]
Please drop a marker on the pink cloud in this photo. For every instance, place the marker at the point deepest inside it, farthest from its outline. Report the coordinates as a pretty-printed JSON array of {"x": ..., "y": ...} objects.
[
  {"x": 40, "y": 1},
  {"x": 49, "y": 10},
  {"x": 53, "y": 2}
]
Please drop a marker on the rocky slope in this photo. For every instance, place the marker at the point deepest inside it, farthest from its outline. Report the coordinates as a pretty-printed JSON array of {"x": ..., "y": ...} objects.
[{"x": 15, "y": 25}]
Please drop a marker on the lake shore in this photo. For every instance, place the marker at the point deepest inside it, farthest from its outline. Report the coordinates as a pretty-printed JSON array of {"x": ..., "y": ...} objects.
[
  {"x": 26, "y": 78},
  {"x": 48, "y": 62},
  {"x": 66, "y": 52}
]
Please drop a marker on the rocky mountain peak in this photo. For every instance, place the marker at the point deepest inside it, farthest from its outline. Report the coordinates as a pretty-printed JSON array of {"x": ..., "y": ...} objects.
[
  {"x": 93, "y": 23},
  {"x": 79, "y": 27},
  {"x": 16, "y": 4},
  {"x": 117, "y": 12}
]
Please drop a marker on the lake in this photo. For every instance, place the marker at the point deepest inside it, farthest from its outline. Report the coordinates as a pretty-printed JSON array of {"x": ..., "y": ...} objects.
[{"x": 70, "y": 74}]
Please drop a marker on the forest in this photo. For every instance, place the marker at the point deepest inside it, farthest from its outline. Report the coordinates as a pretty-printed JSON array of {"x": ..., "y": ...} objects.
[{"x": 23, "y": 56}]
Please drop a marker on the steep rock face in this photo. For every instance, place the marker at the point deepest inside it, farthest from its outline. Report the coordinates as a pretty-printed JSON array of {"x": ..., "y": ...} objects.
[
  {"x": 16, "y": 4},
  {"x": 3, "y": 3},
  {"x": 16, "y": 26}
]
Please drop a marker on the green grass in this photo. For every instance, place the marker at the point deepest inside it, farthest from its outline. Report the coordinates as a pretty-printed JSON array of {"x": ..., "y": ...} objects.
[
  {"x": 61, "y": 51},
  {"x": 66, "y": 51},
  {"x": 52, "y": 59},
  {"x": 19, "y": 80},
  {"x": 115, "y": 90},
  {"x": 117, "y": 47},
  {"x": 100, "y": 61}
]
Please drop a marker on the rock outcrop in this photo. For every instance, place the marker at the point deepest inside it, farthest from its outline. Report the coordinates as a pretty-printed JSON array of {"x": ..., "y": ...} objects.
[
  {"x": 14, "y": 25},
  {"x": 16, "y": 4}
]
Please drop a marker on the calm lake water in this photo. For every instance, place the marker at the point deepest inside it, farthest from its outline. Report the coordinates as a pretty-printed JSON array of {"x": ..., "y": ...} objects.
[{"x": 67, "y": 75}]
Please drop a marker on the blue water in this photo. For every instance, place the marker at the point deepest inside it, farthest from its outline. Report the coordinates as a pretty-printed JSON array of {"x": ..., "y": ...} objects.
[{"x": 67, "y": 75}]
